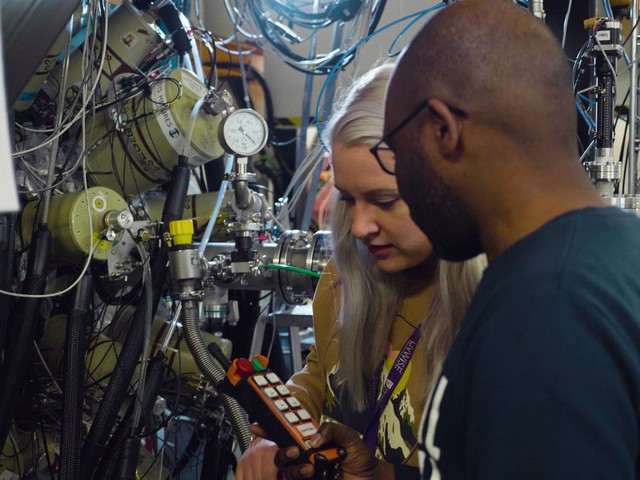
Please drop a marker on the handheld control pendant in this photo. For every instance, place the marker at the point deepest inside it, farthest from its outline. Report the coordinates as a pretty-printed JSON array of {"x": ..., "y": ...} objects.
[{"x": 270, "y": 403}]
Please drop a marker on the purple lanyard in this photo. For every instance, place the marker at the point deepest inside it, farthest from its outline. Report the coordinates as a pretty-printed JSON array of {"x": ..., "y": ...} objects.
[{"x": 400, "y": 365}]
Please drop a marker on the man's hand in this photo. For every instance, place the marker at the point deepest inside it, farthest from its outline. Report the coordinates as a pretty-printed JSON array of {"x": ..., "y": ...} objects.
[
  {"x": 257, "y": 462},
  {"x": 359, "y": 463}
]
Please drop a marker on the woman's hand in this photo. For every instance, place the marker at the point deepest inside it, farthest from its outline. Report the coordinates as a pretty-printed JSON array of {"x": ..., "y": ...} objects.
[
  {"x": 359, "y": 463},
  {"x": 257, "y": 462}
]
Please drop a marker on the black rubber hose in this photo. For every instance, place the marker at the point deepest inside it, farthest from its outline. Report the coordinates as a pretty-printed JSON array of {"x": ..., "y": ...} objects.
[
  {"x": 23, "y": 329},
  {"x": 128, "y": 461},
  {"x": 172, "y": 210},
  {"x": 132, "y": 347},
  {"x": 153, "y": 385},
  {"x": 177, "y": 193},
  {"x": 109, "y": 461},
  {"x": 73, "y": 378},
  {"x": 7, "y": 256},
  {"x": 211, "y": 455},
  {"x": 115, "y": 392}
]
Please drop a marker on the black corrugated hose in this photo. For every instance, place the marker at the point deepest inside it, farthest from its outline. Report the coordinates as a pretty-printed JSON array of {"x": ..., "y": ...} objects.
[
  {"x": 73, "y": 385},
  {"x": 7, "y": 257},
  {"x": 115, "y": 392},
  {"x": 23, "y": 329},
  {"x": 121, "y": 377}
]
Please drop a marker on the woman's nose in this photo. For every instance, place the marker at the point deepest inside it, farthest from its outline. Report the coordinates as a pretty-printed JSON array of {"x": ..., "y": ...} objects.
[{"x": 363, "y": 223}]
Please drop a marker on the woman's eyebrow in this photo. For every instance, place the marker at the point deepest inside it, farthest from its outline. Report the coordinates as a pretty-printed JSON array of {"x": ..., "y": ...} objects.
[
  {"x": 381, "y": 192},
  {"x": 373, "y": 192}
]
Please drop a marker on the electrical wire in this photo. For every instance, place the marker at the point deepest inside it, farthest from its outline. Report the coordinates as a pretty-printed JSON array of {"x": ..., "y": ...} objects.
[
  {"x": 565, "y": 25},
  {"x": 144, "y": 356},
  {"x": 390, "y": 54},
  {"x": 274, "y": 326},
  {"x": 353, "y": 49},
  {"x": 301, "y": 178},
  {"x": 585, "y": 116},
  {"x": 92, "y": 248},
  {"x": 78, "y": 111},
  {"x": 65, "y": 174},
  {"x": 633, "y": 28},
  {"x": 290, "y": 268},
  {"x": 611, "y": 67},
  {"x": 46, "y": 367},
  {"x": 88, "y": 98},
  {"x": 277, "y": 30},
  {"x": 192, "y": 124}
]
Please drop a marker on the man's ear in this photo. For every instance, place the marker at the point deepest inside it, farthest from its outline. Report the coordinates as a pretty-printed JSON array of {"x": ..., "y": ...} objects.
[{"x": 449, "y": 127}]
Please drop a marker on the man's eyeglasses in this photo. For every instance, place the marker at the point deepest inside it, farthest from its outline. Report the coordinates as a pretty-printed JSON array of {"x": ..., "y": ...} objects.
[{"x": 388, "y": 162}]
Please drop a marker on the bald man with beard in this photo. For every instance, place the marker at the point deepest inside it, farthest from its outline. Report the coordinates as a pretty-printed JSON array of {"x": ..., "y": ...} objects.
[{"x": 543, "y": 380}]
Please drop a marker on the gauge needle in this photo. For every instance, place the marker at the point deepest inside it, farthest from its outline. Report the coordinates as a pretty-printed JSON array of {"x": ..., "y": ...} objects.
[{"x": 241, "y": 129}]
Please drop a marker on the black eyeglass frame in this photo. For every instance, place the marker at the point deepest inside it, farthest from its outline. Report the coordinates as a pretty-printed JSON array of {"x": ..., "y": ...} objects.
[{"x": 421, "y": 106}]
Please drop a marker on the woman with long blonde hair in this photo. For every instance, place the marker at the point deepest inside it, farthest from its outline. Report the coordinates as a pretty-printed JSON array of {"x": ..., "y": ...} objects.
[{"x": 386, "y": 309}]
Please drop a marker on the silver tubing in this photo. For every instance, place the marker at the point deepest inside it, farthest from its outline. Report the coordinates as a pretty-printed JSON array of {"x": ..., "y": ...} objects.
[
  {"x": 632, "y": 160},
  {"x": 46, "y": 199},
  {"x": 213, "y": 372}
]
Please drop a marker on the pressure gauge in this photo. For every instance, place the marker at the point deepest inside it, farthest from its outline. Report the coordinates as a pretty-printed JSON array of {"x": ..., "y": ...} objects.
[{"x": 243, "y": 132}]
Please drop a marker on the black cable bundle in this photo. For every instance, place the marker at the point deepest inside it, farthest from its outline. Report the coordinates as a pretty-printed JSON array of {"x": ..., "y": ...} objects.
[
  {"x": 132, "y": 346},
  {"x": 23, "y": 329},
  {"x": 73, "y": 385}
]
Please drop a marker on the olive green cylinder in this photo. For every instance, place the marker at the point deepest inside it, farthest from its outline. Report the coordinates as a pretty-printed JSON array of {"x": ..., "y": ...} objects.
[{"x": 136, "y": 147}]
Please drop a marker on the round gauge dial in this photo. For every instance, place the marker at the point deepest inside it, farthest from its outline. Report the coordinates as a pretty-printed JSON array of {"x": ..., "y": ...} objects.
[{"x": 244, "y": 132}]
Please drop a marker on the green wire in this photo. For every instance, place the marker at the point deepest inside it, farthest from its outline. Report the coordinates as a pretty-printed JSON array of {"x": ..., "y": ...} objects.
[{"x": 292, "y": 269}]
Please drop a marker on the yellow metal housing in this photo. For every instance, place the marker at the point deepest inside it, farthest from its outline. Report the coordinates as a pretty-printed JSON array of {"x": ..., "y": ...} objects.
[
  {"x": 136, "y": 151},
  {"x": 69, "y": 223}
]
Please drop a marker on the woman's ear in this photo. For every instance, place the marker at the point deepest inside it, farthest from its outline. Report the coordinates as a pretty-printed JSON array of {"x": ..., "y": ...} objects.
[{"x": 449, "y": 127}]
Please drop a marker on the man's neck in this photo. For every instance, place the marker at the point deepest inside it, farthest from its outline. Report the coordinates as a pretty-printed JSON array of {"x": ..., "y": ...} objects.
[{"x": 515, "y": 214}]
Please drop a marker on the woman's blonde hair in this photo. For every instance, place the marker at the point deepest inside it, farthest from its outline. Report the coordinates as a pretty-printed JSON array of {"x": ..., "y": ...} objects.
[{"x": 370, "y": 297}]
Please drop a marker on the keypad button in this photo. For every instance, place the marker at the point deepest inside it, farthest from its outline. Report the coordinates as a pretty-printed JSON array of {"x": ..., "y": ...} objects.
[
  {"x": 270, "y": 392},
  {"x": 282, "y": 390},
  {"x": 273, "y": 378},
  {"x": 281, "y": 405},
  {"x": 303, "y": 414},
  {"x": 260, "y": 380},
  {"x": 293, "y": 402},
  {"x": 291, "y": 417},
  {"x": 306, "y": 429}
]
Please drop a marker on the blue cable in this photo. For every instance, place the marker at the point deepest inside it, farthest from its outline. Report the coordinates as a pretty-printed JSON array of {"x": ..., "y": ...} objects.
[
  {"x": 352, "y": 49},
  {"x": 587, "y": 119},
  {"x": 584, "y": 98},
  {"x": 400, "y": 35}
]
